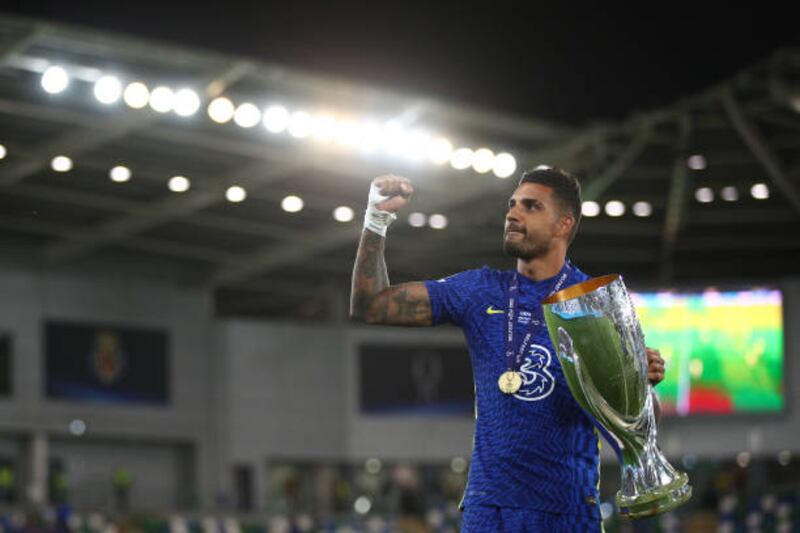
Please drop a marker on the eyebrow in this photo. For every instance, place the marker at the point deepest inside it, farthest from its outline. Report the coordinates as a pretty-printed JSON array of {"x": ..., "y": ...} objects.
[{"x": 526, "y": 201}]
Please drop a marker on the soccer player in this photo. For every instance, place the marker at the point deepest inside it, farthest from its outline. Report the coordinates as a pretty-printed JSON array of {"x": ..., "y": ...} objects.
[{"x": 535, "y": 460}]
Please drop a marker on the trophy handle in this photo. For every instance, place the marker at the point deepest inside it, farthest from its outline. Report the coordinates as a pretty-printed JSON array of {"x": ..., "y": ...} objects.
[
  {"x": 618, "y": 429},
  {"x": 612, "y": 423},
  {"x": 593, "y": 396},
  {"x": 617, "y": 419}
]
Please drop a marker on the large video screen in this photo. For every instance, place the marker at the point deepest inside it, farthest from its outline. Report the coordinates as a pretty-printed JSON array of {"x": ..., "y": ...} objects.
[
  {"x": 106, "y": 364},
  {"x": 724, "y": 351},
  {"x": 415, "y": 380}
]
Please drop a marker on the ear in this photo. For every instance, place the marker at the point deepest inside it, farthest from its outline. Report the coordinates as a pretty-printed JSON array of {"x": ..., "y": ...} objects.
[{"x": 564, "y": 225}]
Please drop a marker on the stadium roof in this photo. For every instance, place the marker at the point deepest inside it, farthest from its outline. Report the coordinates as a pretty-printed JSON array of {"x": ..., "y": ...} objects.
[{"x": 262, "y": 260}]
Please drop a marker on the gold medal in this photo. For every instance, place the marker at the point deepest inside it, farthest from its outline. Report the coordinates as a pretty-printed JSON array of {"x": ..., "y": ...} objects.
[{"x": 510, "y": 382}]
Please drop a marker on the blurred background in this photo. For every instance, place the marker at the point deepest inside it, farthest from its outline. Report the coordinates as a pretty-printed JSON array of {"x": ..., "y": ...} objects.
[{"x": 181, "y": 194}]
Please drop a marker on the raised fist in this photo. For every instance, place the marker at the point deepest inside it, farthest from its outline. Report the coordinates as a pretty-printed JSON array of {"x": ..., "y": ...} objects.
[{"x": 396, "y": 188}]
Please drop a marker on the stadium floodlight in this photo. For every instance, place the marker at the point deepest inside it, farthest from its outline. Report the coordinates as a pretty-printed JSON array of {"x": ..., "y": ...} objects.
[
  {"x": 55, "y": 79},
  {"x": 162, "y": 99},
  {"x": 440, "y": 150},
  {"x": 136, "y": 95},
  {"x": 343, "y": 214},
  {"x": 615, "y": 208},
  {"x": 3, "y": 151},
  {"x": 187, "y": 102},
  {"x": 504, "y": 165},
  {"x": 61, "y": 163},
  {"x": 642, "y": 209},
  {"x": 483, "y": 160},
  {"x": 325, "y": 128},
  {"x": 590, "y": 208},
  {"x": 370, "y": 137},
  {"x": 462, "y": 158},
  {"x": 414, "y": 145},
  {"x": 221, "y": 110},
  {"x": 704, "y": 195},
  {"x": 349, "y": 133},
  {"x": 120, "y": 174},
  {"x": 247, "y": 115},
  {"x": 729, "y": 193},
  {"x": 301, "y": 125},
  {"x": 437, "y": 221},
  {"x": 696, "y": 162},
  {"x": 292, "y": 204},
  {"x": 235, "y": 194},
  {"x": 759, "y": 191},
  {"x": 393, "y": 138},
  {"x": 108, "y": 90},
  {"x": 178, "y": 184},
  {"x": 417, "y": 220},
  {"x": 276, "y": 119}
]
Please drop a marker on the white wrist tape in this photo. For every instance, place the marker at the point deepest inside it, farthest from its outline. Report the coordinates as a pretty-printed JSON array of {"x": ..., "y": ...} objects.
[{"x": 377, "y": 220}]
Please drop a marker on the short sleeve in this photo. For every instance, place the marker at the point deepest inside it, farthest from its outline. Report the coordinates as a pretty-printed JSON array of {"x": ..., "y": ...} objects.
[{"x": 450, "y": 296}]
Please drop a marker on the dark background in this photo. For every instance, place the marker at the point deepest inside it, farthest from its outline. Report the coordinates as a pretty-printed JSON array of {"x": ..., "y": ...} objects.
[
  {"x": 564, "y": 61},
  {"x": 5, "y": 364}
]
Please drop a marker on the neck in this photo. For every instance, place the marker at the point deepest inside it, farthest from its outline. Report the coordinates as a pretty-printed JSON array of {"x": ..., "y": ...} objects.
[{"x": 543, "y": 267}]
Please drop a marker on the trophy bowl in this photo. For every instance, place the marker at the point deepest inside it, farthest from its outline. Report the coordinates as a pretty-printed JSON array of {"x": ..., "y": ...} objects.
[{"x": 600, "y": 347}]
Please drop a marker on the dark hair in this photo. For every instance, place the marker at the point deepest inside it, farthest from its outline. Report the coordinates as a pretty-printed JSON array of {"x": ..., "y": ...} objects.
[{"x": 566, "y": 190}]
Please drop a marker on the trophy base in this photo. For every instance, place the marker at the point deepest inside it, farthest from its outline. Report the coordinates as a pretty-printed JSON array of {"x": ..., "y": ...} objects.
[{"x": 657, "y": 501}]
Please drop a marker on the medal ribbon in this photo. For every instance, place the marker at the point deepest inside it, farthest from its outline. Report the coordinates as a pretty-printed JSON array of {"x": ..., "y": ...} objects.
[{"x": 513, "y": 359}]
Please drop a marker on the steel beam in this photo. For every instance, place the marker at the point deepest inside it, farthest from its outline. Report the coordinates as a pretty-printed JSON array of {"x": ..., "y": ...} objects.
[
  {"x": 676, "y": 204},
  {"x": 759, "y": 146},
  {"x": 595, "y": 187},
  {"x": 156, "y": 214}
]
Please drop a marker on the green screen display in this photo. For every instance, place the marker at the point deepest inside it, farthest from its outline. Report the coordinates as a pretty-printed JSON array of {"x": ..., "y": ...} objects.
[{"x": 723, "y": 350}]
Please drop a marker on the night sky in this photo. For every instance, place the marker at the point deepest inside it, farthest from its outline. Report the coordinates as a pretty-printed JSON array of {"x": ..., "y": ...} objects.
[{"x": 571, "y": 62}]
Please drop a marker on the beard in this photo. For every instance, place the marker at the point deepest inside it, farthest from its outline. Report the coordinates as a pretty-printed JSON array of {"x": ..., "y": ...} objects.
[{"x": 525, "y": 249}]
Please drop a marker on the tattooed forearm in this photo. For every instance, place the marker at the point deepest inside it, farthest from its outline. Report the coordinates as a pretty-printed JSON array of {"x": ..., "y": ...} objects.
[
  {"x": 369, "y": 274},
  {"x": 373, "y": 300}
]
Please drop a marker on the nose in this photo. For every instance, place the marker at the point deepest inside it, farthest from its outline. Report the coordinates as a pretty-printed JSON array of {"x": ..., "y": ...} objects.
[{"x": 511, "y": 215}]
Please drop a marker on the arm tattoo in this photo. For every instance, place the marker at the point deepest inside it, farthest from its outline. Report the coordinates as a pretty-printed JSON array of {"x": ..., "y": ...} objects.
[
  {"x": 373, "y": 300},
  {"x": 369, "y": 274},
  {"x": 407, "y": 308}
]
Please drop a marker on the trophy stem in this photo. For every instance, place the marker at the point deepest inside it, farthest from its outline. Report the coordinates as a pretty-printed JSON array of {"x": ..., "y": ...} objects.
[{"x": 650, "y": 485}]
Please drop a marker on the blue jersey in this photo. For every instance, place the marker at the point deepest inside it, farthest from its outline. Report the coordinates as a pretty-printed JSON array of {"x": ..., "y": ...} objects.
[{"x": 537, "y": 448}]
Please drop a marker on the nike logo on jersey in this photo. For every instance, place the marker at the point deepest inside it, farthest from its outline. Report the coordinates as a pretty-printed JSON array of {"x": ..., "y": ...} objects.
[{"x": 492, "y": 311}]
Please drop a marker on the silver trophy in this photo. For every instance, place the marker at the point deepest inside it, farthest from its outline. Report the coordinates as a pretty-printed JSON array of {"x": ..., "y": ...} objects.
[{"x": 601, "y": 349}]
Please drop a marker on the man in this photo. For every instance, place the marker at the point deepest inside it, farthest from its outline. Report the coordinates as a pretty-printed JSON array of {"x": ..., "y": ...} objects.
[{"x": 535, "y": 461}]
